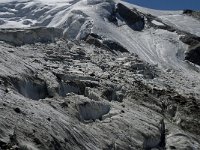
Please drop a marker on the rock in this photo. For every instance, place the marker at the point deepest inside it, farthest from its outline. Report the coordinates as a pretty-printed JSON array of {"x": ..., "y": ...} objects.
[
  {"x": 132, "y": 17},
  {"x": 111, "y": 94},
  {"x": 195, "y": 14},
  {"x": 190, "y": 39},
  {"x": 94, "y": 41},
  {"x": 115, "y": 46},
  {"x": 188, "y": 11},
  {"x": 27, "y": 22},
  {"x": 193, "y": 54},
  {"x": 110, "y": 45},
  {"x": 17, "y": 110}
]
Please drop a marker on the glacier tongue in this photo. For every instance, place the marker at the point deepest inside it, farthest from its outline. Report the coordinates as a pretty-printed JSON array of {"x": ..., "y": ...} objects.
[{"x": 98, "y": 74}]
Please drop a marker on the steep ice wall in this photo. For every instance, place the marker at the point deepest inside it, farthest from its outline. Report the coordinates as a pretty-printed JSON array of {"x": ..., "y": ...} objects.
[{"x": 30, "y": 36}]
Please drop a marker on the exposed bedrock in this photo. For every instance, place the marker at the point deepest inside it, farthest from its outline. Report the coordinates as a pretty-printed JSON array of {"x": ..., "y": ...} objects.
[
  {"x": 94, "y": 39},
  {"x": 193, "y": 54},
  {"x": 20, "y": 37},
  {"x": 107, "y": 44},
  {"x": 191, "y": 40},
  {"x": 132, "y": 17},
  {"x": 113, "y": 45},
  {"x": 92, "y": 110},
  {"x": 195, "y": 14}
]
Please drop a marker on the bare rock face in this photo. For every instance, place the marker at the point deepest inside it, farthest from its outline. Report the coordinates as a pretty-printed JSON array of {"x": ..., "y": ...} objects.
[
  {"x": 115, "y": 46},
  {"x": 94, "y": 39},
  {"x": 193, "y": 52},
  {"x": 107, "y": 44},
  {"x": 33, "y": 35},
  {"x": 195, "y": 14},
  {"x": 132, "y": 17},
  {"x": 193, "y": 55}
]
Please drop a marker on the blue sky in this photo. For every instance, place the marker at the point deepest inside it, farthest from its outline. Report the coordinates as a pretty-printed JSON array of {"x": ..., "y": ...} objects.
[{"x": 168, "y": 4}]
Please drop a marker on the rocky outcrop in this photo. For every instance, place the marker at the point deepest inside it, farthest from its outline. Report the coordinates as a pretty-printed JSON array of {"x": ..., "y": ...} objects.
[
  {"x": 193, "y": 54},
  {"x": 132, "y": 17},
  {"x": 190, "y": 39},
  {"x": 110, "y": 45},
  {"x": 94, "y": 39},
  {"x": 195, "y": 14},
  {"x": 115, "y": 46}
]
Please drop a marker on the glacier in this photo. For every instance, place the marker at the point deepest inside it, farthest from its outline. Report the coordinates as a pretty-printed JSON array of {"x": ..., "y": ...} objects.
[{"x": 98, "y": 74}]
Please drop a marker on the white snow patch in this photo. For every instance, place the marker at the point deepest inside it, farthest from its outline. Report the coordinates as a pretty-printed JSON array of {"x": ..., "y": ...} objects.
[
  {"x": 157, "y": 23},
  {"x": 182, "y": 22}
]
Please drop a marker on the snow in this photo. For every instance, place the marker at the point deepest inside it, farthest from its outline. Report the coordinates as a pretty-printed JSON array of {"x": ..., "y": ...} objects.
[
  {"x": 14, "y": 24},
  {"x": 183, "y": 22},
  {"x": 157, "y": 23}
]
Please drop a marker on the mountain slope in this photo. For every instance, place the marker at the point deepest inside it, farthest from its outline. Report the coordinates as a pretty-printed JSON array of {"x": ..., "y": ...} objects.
[{"x": 98, "y": 74}]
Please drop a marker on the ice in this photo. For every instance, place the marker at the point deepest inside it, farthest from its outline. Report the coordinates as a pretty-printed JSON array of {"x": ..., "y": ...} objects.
[
  {"x": 157, "y": 23},
  {"x": 78, "y": 18}
]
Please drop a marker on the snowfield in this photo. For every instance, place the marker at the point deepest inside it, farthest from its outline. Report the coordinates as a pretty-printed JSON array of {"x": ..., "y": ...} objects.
[{"x": 98, "y": 74}]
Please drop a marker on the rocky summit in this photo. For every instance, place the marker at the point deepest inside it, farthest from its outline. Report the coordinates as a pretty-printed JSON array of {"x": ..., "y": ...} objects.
[{"x": 98, "y": 75}]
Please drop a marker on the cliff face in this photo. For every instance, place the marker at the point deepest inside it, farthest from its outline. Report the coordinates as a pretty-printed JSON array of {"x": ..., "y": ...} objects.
[
  {"x": 193, "y": 54},
  {"x": 99, "y": 75}
]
